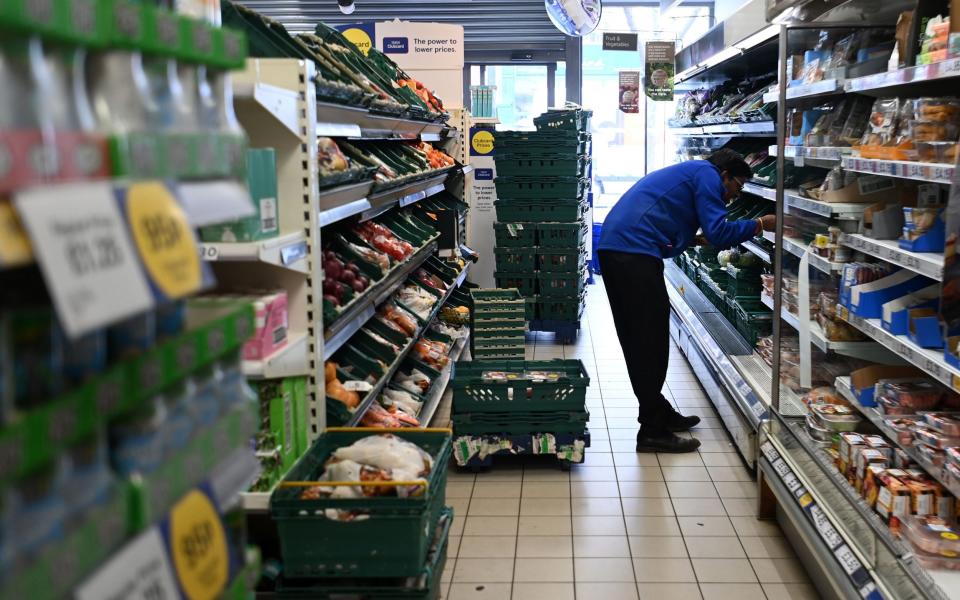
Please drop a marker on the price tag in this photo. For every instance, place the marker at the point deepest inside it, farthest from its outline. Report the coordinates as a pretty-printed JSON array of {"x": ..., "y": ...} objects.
[
  {"x": 825, "y": 527},
  {"x": 85, "y": 254},
  {"x": 210, "y": 252},
  {"x": 14, "y": 245},
  {"x": 848, "y": 560},
  {"x": 798, "y": 159},
  {"x": 198, "y": 547},
  {"x": 357, "y": 386},
  {"x": 139, "y": 571},
  {"x": 805, "y": 499},
  {"x": 165, "y": 239}
]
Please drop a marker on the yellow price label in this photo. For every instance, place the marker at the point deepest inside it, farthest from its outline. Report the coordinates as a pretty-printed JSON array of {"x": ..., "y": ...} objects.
[
  {"x": 14, "y": 243},
  {"x": 164, "y": 239},
  {"x": 956, "y": 383},
  {"x": 806, "y": 500},
  {"x": 482, "y": 142},
  {"x": 949, "y": 535},
  {"x": 198, "y": 545}
]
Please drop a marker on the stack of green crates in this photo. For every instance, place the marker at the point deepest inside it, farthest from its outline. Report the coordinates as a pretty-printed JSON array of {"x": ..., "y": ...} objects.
[
  {"x": 519, "y": 397},
  {"x": 542, "y": 184},
  {"x": 498, "y": 324}
]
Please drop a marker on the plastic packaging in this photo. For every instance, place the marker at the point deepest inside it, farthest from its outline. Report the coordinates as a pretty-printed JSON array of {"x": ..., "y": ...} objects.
[
  {"x": 935, "y": 438},
  {"x": 937, "y": 152},
  {"x": 836, "y": 417},
  {"x": 931, "y": 534},
  {"x": 917, "y": 394},
  {"x": 946, "y": 423},
  {"x": 903, "y": 427},
  {"x": 933, "y": 131},
  {"x": 137, "y": 444},
  {"x": 891, "y": 406},
  {"x": 943, "y": 110},
  {"x": 930, "y": 454},
  {"x": 953, "y": 455},
  {"x": 819, "y": 432}
]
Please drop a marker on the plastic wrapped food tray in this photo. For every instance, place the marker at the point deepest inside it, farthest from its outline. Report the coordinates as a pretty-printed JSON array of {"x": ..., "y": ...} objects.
[{"x": 932, "y": 535}]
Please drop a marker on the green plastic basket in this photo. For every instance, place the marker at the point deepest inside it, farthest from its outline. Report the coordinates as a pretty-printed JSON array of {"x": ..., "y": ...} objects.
[
  {"x": 540, "y": 165},
  {"x": 473, "y": 394},
  {"x": 499, "y": 354},
  {"x": 561, "y": 309},
  {"x": 541, "y": 210},
  {"x": 424, "y": 587},
  {"x": 525, "y": 283},
  {"x": 562, "y": 284},
  {"x": 540, "y": 187},
  {"x": 562, "y": 235},
  {"x": 519, "y": 423},
  {"x": 516, "y": 260},
  {"x": 393, "y": 539},
  {"x": 492, "y": 307},
  {"x": 515, "y": 235},
  {"x": 574, "y": 120},
  {"x": 561, "y": 260},
  {"x": 506, "y": 339},
  {"x": 752, "y": 319}
]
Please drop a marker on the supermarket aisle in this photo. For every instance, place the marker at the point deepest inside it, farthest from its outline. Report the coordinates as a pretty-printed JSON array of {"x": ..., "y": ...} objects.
[{"x": 622, "y": 525}]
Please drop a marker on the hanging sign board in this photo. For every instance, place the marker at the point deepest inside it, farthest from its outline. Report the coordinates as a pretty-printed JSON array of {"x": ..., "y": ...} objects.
[
  {"x": 630, "y": 91},
  {"x": 626, "y": 42},
  {"x": 360, "y": 35},
  {"x": 421, "y": 45},
  {"x": 660, "y": 69}
]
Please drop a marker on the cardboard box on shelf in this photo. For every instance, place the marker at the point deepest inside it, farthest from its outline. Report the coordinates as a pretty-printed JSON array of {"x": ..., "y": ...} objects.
[{"x": 862, "y": 381}]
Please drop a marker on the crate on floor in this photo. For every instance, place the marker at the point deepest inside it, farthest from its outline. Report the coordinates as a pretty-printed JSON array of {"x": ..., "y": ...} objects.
[
  {"x": 425, "y": 586},
  {"x": 561, "y": 260},
  {"x": 567, "y": 285},
  {"x": 478, "y": 452},
  {"x": 516, "y": 260},
  {"x": 541, "y": 209},
  {"x": 516, "y": 423},
  {"x": 515, "y": 235},
  {"x": 562, "y": 235},
  {"x": 498, "y": 353},
  {"x": 540, "y": 187},
  {"x": 561, "y": 309},
  {"x": 540, "y": 165},
  {"x": 394, "y": 538},
  {"x": 497, "y": 305},
  {"x": 525, "y": 283},
  {"x": 566, "y": 331},
  {"x": 498, "y": 386}
]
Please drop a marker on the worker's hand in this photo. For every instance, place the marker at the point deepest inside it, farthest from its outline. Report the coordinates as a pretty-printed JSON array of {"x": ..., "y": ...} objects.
[
  {"x": 768, "y": 222},
  {"x": 700, "y": 241}
]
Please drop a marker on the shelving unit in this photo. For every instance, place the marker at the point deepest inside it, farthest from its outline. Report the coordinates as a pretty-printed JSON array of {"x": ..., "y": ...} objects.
[
  {"x": 929, "y": 264},
  {"x": 831, "y": 210},
  {"x": 917, "y": 171},
  {"x": 760, "y": 190},
  {"x": 799, "y": 249}
]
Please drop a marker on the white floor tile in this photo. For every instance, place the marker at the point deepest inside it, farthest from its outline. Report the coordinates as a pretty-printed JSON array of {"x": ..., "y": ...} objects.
[
  {"x": 665, "y": 591},
  {"x": 607, "y": 591},
  {"x": 544, "y": 546},
  {"x": 604, "y": 570},
  {"x": 601, "y": 546},
  {"x": 543, "y": 591},
  {"x": 543, "y": 570}
]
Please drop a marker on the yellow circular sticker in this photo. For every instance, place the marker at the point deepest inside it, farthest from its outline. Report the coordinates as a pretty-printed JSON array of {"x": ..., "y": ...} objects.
[
  {"x": 198, "y": 544},
  {"x": 482, "y": 142},
  {"x": 164, "y": 239},
  {"x": 359, "y": 38},
  {"x": 947, "y": 535}
]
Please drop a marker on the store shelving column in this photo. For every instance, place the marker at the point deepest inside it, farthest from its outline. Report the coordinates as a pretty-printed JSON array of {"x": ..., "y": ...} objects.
[{"x": 275, "y": 102}]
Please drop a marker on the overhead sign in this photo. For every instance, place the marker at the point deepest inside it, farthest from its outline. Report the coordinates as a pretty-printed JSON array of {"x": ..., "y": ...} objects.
[
  {"x": 659, "y": 70},
  {"x": 630, "y": 91},
  {"x": 620, "y": 41}
]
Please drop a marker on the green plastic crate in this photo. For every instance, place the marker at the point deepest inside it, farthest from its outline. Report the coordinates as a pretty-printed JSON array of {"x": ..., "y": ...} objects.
[
  {"x": 561, "y": 309},
  {"x": 552, "y": 141},
  {"x": 497, "y": 353},
  {"x": 391, "y": 542},
  {"x": 506, "y": 339},
  {"x": 493, "y": 307},
  {"x": 561, "y": 260},
  {"x": 562, "y": 235},
  {"x": 426, "y": 586},
  {"x": 752, "y": 319},
  {"x": 573, "y": 120},
  {"x": 540, "y": 187},
  {"x": 473, "y": 394},
  {"x": 562, "y": 284},
  {"x": 515, "y": 235},
  {"x": 540, "y": 165},
  {"x": 516, "y": 260},
  {"x": 525, "y": 283},
  {"x": 520, "y": 423},
  {"x": 541, "y": 210}
]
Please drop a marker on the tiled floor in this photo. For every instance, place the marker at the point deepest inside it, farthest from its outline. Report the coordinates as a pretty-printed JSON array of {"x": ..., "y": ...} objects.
[{"x": 622, "y": 525}]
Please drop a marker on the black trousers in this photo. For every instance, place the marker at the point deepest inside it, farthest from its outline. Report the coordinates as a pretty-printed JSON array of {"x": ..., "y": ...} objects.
[{"x": 641, "y": 313}]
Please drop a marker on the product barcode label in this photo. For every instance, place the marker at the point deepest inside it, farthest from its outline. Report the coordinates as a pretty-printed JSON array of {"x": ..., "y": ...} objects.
[
  {"x": 847, "y": 559},
  {"x": 268, "y": 214},
  {"x": 781, "y": 467},
  {"x": 793, "y": 484},
  {"x": 872, "y": 184},
  {"x": 769, "y": 451},
  {"x": 825, "y": 527}
]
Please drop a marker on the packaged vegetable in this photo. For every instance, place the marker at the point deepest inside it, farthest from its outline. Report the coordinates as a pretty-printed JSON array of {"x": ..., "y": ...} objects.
[
  {"x": 403, "y": 400},
  {"x": 330, "y": 158},
  {"x": 415, "y": 382},
  {"x": 400, "y": 317},
  {"x": 368, "y": 254}
]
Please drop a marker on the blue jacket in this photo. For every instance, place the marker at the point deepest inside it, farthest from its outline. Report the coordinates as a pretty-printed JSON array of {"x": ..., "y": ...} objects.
[{"x": 659, "y": 216}]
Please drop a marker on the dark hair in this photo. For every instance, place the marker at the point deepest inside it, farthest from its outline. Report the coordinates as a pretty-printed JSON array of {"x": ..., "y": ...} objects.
[{"x": 731, "y": 162}]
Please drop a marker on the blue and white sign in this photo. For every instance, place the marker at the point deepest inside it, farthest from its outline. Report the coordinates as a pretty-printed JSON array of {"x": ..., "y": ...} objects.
[{"x": 396, "y": 45}]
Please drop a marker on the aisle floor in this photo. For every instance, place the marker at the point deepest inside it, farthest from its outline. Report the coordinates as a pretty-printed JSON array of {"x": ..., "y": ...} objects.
[{"x": 622, "y": 525}]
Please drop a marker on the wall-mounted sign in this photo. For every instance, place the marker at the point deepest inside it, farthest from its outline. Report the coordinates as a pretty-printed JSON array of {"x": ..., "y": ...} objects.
[
  {"x": 660, "y": 69},
  {"x": 360, "y": 35},
  {"x": 620, "y": 41},
  {"x": 630, "y": 91}
]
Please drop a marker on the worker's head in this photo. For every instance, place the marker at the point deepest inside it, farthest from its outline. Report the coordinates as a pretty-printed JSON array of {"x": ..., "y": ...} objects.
[{"x": 733, "y": 170}]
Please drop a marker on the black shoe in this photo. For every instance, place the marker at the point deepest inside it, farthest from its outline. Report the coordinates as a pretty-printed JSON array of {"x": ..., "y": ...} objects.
[
  {"x": 677, "y": 422},
  {"x": 666, "y": 442}
]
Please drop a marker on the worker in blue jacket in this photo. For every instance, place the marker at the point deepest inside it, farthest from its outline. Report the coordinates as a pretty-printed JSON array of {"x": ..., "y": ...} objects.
[{"x": 658, "y": 218}]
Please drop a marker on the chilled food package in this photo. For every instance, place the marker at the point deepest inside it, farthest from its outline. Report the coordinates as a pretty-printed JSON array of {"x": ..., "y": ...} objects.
[
  {"x": 836, "y": 417},
  {"x": 838, "y": 331},
  {"x": 430, "y": 280},
  {"x": 376, "y": 458},
  {"x": 931, "y": 534},
  {"x": 818, "y": 431},
  {"x": 381, "y": 260},
  {"x": 914, "y": 393},
  {"x": 930, "y": 454},
  {"x": 384, "y": 240},
  {"x": 417, "y": 299},
  {"x": 403, "y": 400},
  {"x": 940, "y": 110},
  {"x": 945, "y": 423},
  {"x": 433, "y": 354},
  {"x": 889, "y": 405},
  {"x": 930, "y": 437},
  {"x": 416, "y": 381},
  {"x": 903, "y": 427},
  {"x": 953, "y": 455},
  {"x": 883, "y": 124},
  {"x": 823, "y": 395},
  {"x": 335, "y": 388},
  {"x": 387, "y": 417}
]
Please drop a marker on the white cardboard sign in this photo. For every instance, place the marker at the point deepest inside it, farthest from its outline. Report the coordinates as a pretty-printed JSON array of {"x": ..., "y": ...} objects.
[{"x": 434, "y": 46}]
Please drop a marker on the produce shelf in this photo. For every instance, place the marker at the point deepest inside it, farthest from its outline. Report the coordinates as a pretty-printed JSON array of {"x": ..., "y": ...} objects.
[
  {"x": 343, "y": 201},
  {"x": 885, "y": 84},
  {"x": 873, "y": 415},
  {"x": 828, "y": 155},
  {"x": 287, "y": 251},
  {"x": 403, "y": 196},
  {"x": 357, "y": 315},
  {"x": 289, "y": 361},
  {"x": 835, "y": 210},
  {"x": 798, "y": 248},
  {"x": 373, "y": 394},
  {"x": 903, "y": 169},
  {"x": 827, "y": 87},
  {"x": 442, "y": 385},
  {"x": 930, "y": 361},
  {"x": 337, "y": 120},
  {"x": 760, "y": 190},
  {"x": 928, "y": 264},
  {"x": 754, "y": 129},
  {"x": 760, "y": 252}
]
